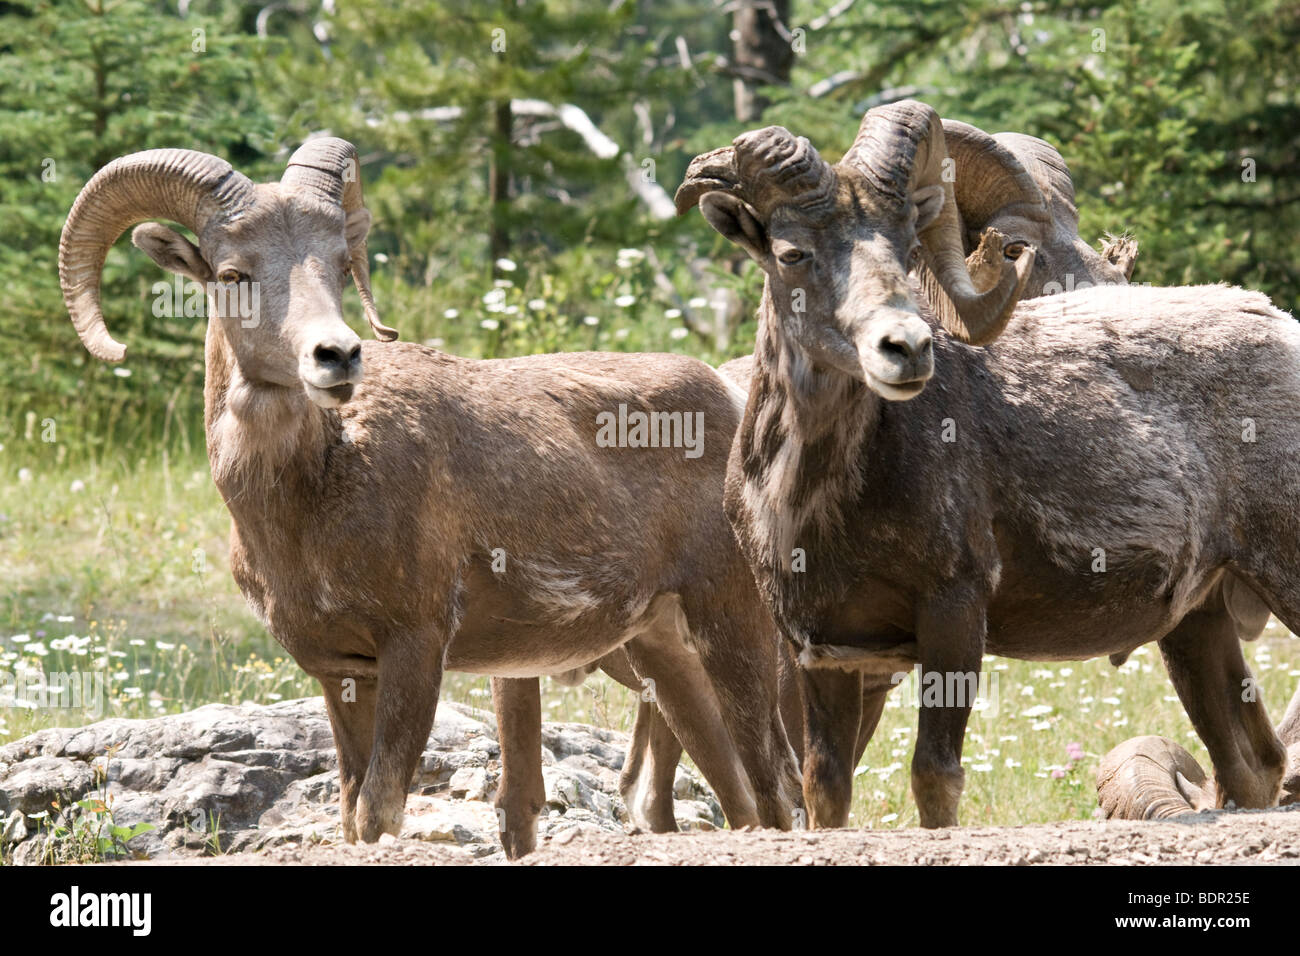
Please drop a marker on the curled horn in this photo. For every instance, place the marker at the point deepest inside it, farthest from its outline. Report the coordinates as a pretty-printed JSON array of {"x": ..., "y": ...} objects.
[
  {"x": 900, "y": 149},
  {"x": 778, "y": 168},
  {"x": 1152, "y": 778},
  {"x": 991, "y": 180},
  {"x": 765, "y": 167},
  {"x": 181, "y": 185},
  {"x": 707, "y": 173},
  {"x": 327, "y": 169},
  {"x": 1046, "y": 166}
]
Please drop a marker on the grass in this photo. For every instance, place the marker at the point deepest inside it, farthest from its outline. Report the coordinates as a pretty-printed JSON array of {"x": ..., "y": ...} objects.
[
  {"x": 121, "y": 568},
  {"x": 84, "y": 831}
]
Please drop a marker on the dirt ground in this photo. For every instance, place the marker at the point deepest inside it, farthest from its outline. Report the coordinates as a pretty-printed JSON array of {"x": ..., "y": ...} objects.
[{"x": 1263, "y": 837}]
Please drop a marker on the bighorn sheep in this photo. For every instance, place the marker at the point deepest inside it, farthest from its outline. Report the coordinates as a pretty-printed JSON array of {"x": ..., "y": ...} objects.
[
  {"x": 1114, "y": 468},
  {"x": 444, "y": 512},
  {"x": 1020, "y": 186},
  {"x": 1152, "y": 778}
]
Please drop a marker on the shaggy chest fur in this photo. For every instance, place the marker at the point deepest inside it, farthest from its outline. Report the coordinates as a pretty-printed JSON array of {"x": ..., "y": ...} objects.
[{"x": 1076, "y": 481}]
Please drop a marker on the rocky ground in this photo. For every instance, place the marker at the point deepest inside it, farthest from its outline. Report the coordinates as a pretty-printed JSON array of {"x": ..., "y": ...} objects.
[
  {"x": 268, "y": 774},
  {"x": 1270, "y": 837}
]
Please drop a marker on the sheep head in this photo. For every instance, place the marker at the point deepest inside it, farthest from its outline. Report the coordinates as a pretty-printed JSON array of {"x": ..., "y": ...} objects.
[
  {"x": 1020, "y": 186},
  {"x": 837, "y": 243},
  {"x": 1150, "y": 778},
  {"x": 273, "y": 258}
]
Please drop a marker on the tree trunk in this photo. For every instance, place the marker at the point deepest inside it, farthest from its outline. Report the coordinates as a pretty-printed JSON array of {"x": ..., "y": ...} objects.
[
  {"x": 763, "y": 53},
  {"x": 499, "y": 184}
]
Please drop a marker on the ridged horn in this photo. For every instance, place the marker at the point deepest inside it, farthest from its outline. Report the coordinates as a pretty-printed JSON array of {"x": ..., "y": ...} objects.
[
  {"x": 181, "y": 185},
  {"x": 1045, "y": 165},
  {"x": 707, "y": 173},
  {"x": 990, "y": 180},
  {"x": 1152, "y": 778},
  {"x": 766, "y": 167}
]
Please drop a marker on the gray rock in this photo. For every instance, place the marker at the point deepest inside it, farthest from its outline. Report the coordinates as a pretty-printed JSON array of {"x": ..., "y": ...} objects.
[
  {"x": 469, "y": 783},
  {"x": 13, "y": 829},
  {"x": 249, "y": 777}
]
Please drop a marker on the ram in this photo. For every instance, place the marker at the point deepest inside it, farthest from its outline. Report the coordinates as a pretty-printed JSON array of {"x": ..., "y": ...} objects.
[
  {"x": 443, "y": 513},
  {"x": 1114, "y": 466},
  {"x": 1014, "y": 183}
]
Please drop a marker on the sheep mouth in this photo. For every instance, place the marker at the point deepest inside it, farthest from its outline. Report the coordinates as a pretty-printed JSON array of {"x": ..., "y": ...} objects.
[
  {"x": 332, "y": 396},
  {"x": 896, "y": 391},
  {"x": 341, "y": 392}
]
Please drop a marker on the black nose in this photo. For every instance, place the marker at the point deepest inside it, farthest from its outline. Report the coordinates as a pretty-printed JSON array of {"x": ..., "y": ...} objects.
[
  {"x": 905, "y": 344},
  {"x": 333, "y": 357}
]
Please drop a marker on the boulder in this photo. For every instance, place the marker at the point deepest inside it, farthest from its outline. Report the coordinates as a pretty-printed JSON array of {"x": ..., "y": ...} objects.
[{"x": 245, "y": 778}]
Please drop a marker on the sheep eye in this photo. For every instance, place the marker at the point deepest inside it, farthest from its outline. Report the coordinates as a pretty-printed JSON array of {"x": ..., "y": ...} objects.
[
  {"x": 229, "y": 276},
  {"x": 792, "y": 257},
  {"x": 1012, "y": 250}
]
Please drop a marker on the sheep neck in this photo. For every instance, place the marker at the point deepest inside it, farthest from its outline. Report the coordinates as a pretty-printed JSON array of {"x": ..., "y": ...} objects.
[
  {"x": 267, "y": 445},
  {"x": 802, "y": 444}
]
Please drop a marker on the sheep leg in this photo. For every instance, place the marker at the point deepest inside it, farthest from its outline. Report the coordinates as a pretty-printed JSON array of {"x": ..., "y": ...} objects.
[
  {"x": 649, "y": 771},
  {"x": 351, "y": 708},
  {"x": 787, "y": 683},
  {"x": 1214, "y": 683},
  {"x": 410, "y": 676},
  {"x": 685, "y": 698},
  {"x": 1274, "y": 580},
  {"x": 1289, "y": 731},
  {"x": 874, "y": 693},
  {"x": 737, "y": 649},
  {"x": 521, "y": 794},
  {"x": 650, "y": 767},
  {"x": 950, "y": 640},
  {"x": 832, "y": 715}
]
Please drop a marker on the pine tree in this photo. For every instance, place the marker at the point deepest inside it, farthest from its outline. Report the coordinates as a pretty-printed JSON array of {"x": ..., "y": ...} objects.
[{"x": 80, "y": 84}]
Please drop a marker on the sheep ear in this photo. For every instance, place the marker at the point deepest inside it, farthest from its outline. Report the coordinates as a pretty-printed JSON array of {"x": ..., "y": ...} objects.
[
  {"x": 1121, "y": 252},
  {"x": 736, "y": 220},
  {"x": 172, "y": 251},
  {"x": 357, "y": 227}
]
